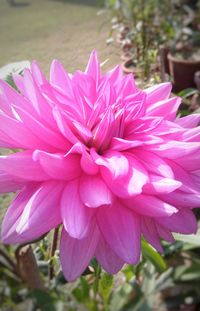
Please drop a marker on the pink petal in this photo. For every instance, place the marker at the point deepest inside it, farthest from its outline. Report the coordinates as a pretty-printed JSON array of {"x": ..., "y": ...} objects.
[
  {"x": 35, "y": 211},
  {"x": 115, "y": 162},
  {"x": 42, "y": 108},
  {"x": 120, "y": 144},
  {"x": 189, "y": 121},
  {"x": 154, "y": 163},
  {"x": 192, "y": 135},
  {"x": 60, "y": 78},
  {"x": 128, "y": 85},
  {"x": 123, "y": 174},
  {"x": 58, "y": 166},
  {"x": 42, "y": 131},
  {"x": 75, "y": 254},
  {"x": 93, "y": 67},
  {"x": 180, "y": 174},
  {"x": 190, "y": 162},
  {"x": 22, "y": 165},
  {"x": 159, "y": 184},
  {"x": 19, "y": 136},
  {"x": 183, "y": 222},
  {"x": 62, "y": 122},
  {"x": 166, "y": 108},
  {"x": 37, "y": 74},
  {"x": 107, "y": 258},
  {"x": 9, "y": 183},
  {"x": 182, "y": 199},
  {"x": 158, "y": 92},
  {"x": 75, "y": 215},
  {"x": 175, "y": 149},
  {"x": 88, "y": 164},
  {"x": 11, "y": 97},
  {"x": 164, "y": 233},
  {"x": 129, "y": 185},
  {"x": 121, "y": 230},
  {"x": 150, "y": 233},
  {"x": 150, "y": 206},
  {"x": 94, "y": 192}
]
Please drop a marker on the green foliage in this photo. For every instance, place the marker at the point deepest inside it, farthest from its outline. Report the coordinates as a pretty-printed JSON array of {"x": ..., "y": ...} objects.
[{"x": 154, "y": 257}]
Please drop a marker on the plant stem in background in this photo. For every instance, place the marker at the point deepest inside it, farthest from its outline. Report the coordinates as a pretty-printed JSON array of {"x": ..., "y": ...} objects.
[
  {"x": 53, "y": 249},
  {"x": 96, "y": 286}
]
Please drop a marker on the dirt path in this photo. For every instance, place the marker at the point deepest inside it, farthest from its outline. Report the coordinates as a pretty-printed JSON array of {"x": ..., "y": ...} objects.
[{"x": 45, "y": 29}]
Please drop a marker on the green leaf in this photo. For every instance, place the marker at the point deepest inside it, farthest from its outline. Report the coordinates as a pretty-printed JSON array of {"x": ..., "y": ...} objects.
[
  {"x": 44, "y": 300},
  {"x": 85, "y": 288},
  {"x": 186, "y": 274},
  {"x": 187, "y": 92},
  {"x": 120, "y": 297},
  {"x": 155, "y": 258},
  {"x": 193, "y": 239},
  {"x": 105, "y": 287},
  {"x": 7, "y": 71}
]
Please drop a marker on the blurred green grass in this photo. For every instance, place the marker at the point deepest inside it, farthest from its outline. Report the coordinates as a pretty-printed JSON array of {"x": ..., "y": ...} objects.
[{"x": 48, "y": 29}]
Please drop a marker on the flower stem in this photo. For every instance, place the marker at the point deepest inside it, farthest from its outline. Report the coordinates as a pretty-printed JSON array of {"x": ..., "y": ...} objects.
[
  {"x": 96, "y": 286},
  {"x": 53, "y": 249}
]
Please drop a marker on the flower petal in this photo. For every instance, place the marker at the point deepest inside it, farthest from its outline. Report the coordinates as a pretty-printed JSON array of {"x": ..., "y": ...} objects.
[
  {"x": 121, "y": 230},
  {"x": 58, "y": 166},
  {"x": 75, "y": 254},
  {"x": 94, "y": 192},
  {"x": 60, "y": 78},
  {"x": 150, "y": 233},
  {"x": 154, "y": 163},
  {"x": 123, "y": 173},
  {"x": 189, "y": 121},
  {"x": 107, "y": 257},
  {"x": 159, "y": 184},
  {"x": 150, "y": 206},
  {"x": 36, "y": 204},
  {"x": 93, "y": 67},
  {"x": 9, "y": 183},
  {"x": 76, "y": 216},
  {"x": 182, "y": 199},
  {"x": 158, "y": 92},
  {"x": 22, "y": 165},
  {"x": 183, "y": 222},
  {"x": 166, "y": 108}
]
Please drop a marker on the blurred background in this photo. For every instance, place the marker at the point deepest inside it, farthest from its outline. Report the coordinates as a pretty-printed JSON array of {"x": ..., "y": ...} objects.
[
  {"x": 46, "y": 29},
  {"x": 157, "y": 41}
]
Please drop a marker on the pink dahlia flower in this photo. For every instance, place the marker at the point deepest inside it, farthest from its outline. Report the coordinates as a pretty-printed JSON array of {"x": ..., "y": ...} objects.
[{"x": 108, "y": 161}]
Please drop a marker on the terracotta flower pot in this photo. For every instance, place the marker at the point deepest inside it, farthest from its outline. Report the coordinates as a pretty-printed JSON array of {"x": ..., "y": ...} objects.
[
  {"x": 125, "y": 56},
  {"x": 182, "y": 72},
  {"x": 129, "y": 66}
]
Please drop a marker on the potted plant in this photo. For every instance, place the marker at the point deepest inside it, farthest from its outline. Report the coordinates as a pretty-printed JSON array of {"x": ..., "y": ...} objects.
[{"x": 184, "y": 53}]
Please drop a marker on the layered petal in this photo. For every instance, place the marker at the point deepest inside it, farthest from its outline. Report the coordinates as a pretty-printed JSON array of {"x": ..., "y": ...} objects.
[
  {"x": 123, "y": 174},
  {"x": 75, "y": 254},
  {"x": 183, "y": 222},
  {"x": 36, "y": 204},
  {"x": 108, "y": 258},
  {"x": 76, "y": 216},
  {"x": 58, "y": 166},
  {"x": 22, "y": 165},
  {"x": 9, "y": 183},
  {"x": 150, "y": 205},
  {"x": 120, "y": 228},
  {"x": 94, "y": 192}
]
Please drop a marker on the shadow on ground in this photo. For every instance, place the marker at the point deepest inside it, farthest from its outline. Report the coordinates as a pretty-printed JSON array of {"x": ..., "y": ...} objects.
[
  {"x": 14, "y": 3},
  {"x": 80, "y": 2}
]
